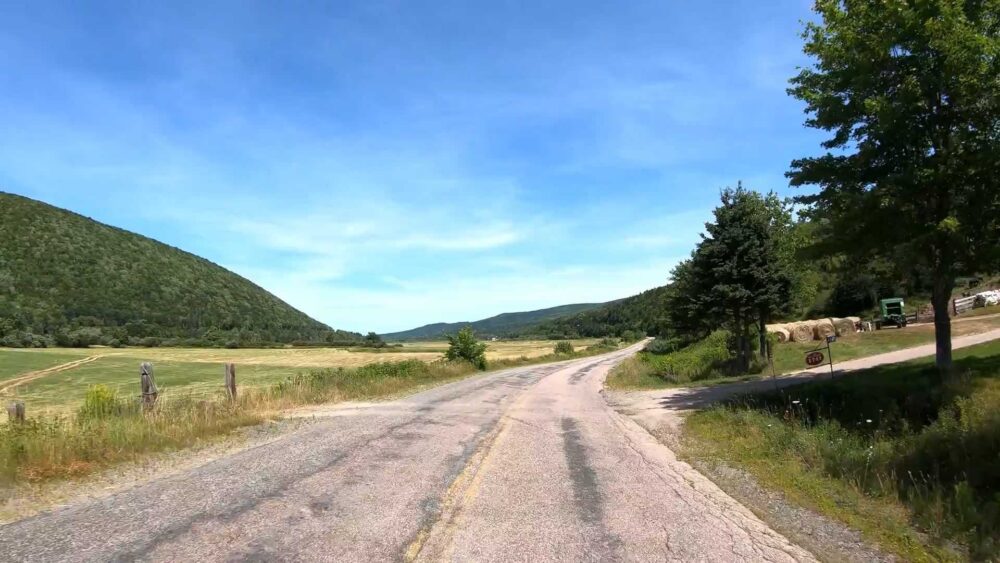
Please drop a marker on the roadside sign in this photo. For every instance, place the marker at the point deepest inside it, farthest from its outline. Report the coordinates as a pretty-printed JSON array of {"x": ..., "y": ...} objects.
[
  {"x": 831, "y": 339},
  {"x": 814, "y": 358}
]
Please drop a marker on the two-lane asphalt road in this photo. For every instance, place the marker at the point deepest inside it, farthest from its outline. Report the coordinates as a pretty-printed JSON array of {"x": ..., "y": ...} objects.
[{"x": 527, "y": 464}]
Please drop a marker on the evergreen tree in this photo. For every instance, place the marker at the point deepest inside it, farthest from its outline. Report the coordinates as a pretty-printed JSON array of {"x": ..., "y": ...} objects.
[{"x": 740, "y": 275}]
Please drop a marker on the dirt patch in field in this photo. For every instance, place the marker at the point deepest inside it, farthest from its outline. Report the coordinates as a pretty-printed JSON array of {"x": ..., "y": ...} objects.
[{"x": 10, "y": 384}]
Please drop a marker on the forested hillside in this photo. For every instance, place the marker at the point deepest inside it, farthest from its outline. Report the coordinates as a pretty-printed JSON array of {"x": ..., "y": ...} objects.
[
  {"x": 641, "y": 314},
  {"x": 505, "y": 325},
  {"x": 68, "y": 280}
]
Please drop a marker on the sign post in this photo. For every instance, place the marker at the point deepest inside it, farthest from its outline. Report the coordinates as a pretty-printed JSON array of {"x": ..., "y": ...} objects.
[
  {"x": 829, "y": 351},
  {"x": 815, "y": 357}
]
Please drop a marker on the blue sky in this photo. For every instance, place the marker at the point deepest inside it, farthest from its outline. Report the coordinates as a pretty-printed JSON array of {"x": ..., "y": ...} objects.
[{"x": 382, "y": 165}]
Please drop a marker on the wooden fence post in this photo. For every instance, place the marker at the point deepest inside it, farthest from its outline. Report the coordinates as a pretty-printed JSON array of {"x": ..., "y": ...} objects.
[
  {"x": 231, "y": 381},
  {"x": 148, "y": 385},
  {"x": 15, "y": 412}
]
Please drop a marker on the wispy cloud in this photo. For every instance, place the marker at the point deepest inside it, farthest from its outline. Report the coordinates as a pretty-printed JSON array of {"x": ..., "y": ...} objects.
[{"x": 380, "y": 172}]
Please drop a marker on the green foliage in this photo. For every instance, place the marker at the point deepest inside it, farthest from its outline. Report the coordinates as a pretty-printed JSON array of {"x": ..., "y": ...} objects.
[
  {"x": 908, "y": 91},
  {"x": 661, "y": 346},
  {"x": 101, "y": 401},
  {"x": 631, "y": 336},
  {"x": 740, "y": 275},
  {"x": 603, "y": 345},
  {"x": 508, "y": 325},
  {"x": 464, "y": 346},
  {"x": 563, "y": 348},
  {"x": 705, "y": 359},
  {"x": 67, "y": 278},
  {"x": 373, "y": 340},
  {"x": 641, "y": 314}
]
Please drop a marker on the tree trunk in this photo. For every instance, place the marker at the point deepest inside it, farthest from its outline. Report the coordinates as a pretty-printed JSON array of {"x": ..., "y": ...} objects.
[
  {"x": 762, "y": 328},
  {"x": 941, "y": 299}
]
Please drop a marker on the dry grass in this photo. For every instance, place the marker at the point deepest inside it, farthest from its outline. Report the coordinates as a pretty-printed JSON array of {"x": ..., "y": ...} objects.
[
  {"x": 100, "y": 423},
  {"x": 197, "y": 372}
]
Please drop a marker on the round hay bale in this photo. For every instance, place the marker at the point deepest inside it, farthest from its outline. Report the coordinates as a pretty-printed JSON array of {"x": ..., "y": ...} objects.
[
  {"x": 843, "y": 326},
  {"x": 800, "y": 332},
  {"x": 783, "y": 335},
  {"x": 823, "y": 328},
  {"x": 780, "y": 332}
]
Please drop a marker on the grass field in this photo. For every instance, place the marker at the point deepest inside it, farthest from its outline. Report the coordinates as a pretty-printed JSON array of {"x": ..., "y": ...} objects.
[
  {"x": 197, "y": 372},
  {"x": 86, "y": 415},
  {"x": 891, "y": 451},
  {"x": 647, "y": 371},
  {"x": 14, "y": 362}
]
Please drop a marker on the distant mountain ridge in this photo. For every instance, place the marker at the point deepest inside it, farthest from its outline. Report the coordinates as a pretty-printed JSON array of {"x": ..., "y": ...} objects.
[
  {"x": 642, "y": 314},
  {"x": 70, "y": 280},
  {"x": 505, "y": 324}
]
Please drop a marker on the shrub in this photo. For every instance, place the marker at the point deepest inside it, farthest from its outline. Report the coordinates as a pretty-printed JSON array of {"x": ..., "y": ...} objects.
[
  {"x": 631, "y": 336},
  {"x": 660, "y": 346},
  {"x": 232, "y": 344},
  {"x": 563, "y": 348},
  {"x": 100, "y": 402},
  {"x": 464, "y": 346},
  {"x": 704, "y": 359},
  {"x": 115, "y": 343}
]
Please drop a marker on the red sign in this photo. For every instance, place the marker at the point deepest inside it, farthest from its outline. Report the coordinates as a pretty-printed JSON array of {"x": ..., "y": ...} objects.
[{"x": 814, "y": 358}]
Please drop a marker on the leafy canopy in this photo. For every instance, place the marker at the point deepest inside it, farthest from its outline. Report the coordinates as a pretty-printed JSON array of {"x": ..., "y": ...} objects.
[
  {"x": 910, "y": 92},
  {"x": 464, "y": 346}
]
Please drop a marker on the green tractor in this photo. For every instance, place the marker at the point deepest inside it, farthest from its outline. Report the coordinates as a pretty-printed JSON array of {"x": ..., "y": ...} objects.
[{"x": 892, "y": 312}]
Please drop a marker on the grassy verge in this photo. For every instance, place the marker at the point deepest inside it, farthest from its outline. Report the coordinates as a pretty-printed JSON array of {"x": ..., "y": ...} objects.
[
  {"x": 110, "y": 427},
  {"x": 699, "y": 364},
  {"x": 910, "y": 462}
]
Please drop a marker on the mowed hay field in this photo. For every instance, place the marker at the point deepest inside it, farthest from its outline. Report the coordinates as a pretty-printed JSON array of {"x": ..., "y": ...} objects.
[{"x": 54, "y": 381}]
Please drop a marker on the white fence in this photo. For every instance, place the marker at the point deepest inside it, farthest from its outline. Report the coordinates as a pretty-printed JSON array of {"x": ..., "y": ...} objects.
[
  {"x": 959, "y": 306},
  {"x": 981, "y": 299}
]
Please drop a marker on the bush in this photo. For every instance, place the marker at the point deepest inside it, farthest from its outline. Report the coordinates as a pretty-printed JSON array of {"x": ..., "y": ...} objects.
[
  {"x": 660, "y": 346},
  {"x": 464, "y": 346},
  {"x": 704, "y": 359},
  {"x": 631, "y": 336},
  {"x": 115, "y": 343},
  {"x": 100, "y": 402},
  {"x": 563, "y": 348},
  {"x": 232, "y": 344},
  {"x": 149, "y": 342}
]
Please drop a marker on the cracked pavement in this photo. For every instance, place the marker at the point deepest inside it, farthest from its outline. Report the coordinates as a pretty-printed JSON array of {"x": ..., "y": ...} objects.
[{"x": 523, "y": 464}]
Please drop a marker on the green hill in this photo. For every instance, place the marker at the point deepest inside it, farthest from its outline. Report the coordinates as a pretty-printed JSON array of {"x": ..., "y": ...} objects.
[
  {"x": 506, "y": 324},
  {"x": 67, "y": 279},
  {"x": 640, "y": 314}
]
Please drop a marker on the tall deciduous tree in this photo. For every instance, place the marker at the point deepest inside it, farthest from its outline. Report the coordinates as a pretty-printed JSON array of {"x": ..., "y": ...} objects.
[{"x": 910, "y": 90}]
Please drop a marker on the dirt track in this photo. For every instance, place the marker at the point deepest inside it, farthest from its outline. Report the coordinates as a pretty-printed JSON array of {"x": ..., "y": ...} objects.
[{"x": 6, "y": 386}]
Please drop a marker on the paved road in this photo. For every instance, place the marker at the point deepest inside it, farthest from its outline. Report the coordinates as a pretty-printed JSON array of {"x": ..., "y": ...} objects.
[{"x": 528, "y": 464}]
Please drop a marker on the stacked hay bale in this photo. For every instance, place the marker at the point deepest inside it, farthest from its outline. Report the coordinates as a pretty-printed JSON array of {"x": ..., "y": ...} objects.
[
  {"x": 823, "y": 328},
  {"x": 843, "y": 326},
  {"x": 800, "y": 332},
  {"x": 805, "y": 331}
]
